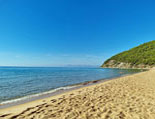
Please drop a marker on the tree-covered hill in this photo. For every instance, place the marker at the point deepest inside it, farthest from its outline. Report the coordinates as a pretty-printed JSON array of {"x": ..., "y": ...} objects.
[{"x": 142, "y": 56}]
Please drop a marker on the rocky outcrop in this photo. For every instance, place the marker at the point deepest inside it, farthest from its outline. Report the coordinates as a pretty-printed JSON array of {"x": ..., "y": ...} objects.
[{"x": 123, "y": 65}]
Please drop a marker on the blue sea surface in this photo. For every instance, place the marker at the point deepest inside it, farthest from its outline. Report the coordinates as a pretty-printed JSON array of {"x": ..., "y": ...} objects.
[{"x": 17, "y": 82}]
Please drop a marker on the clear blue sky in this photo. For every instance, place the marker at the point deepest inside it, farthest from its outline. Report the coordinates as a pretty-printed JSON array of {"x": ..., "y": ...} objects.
[{"x": 76, "y": 32}]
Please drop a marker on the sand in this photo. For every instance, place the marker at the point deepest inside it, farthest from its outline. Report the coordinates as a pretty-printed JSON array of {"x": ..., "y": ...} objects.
[{"x": 129, "y": 97}]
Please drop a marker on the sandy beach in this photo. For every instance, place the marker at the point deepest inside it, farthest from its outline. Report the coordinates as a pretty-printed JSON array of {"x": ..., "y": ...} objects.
[{"x": 129, "y": 97}]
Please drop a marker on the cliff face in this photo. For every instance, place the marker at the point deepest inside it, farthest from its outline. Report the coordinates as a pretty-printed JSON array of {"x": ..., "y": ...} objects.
[
  {"x": 123, "y": 65},
  {"x": 141, "y": 57}
]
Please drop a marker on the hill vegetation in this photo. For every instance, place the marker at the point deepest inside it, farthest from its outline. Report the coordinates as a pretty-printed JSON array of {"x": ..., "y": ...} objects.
[{"x": 142, "y": 56}]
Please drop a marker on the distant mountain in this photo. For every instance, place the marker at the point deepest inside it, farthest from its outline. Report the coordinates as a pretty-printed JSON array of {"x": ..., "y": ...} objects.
[
  {"x": 142, "y": 56},
  {"x": 91, "y": 66}
]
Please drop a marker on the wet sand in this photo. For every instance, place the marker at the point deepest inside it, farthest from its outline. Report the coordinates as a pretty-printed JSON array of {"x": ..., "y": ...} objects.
[{"x": 128, "y": 97}]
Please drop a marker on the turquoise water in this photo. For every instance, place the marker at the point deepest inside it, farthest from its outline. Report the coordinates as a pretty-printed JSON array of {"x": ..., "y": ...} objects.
[{"x": 17, "y": 82}]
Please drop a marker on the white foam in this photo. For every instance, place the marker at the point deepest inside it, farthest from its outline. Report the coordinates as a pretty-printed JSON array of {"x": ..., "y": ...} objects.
[{"x": 36, "y": 95}]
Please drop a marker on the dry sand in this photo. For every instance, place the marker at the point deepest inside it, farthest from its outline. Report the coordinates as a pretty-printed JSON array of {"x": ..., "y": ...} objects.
[{"x": 129, "y": 97}]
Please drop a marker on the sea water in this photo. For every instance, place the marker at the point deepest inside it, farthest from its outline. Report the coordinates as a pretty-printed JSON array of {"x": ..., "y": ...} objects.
[{"x": 20, "y": 82}]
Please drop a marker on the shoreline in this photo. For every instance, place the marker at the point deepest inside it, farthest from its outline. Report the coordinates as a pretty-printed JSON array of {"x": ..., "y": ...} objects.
[
  {"x": 127, "y": 68},
  {"x": 128, "y": 95},
  {"x": 54, "y": 92}
]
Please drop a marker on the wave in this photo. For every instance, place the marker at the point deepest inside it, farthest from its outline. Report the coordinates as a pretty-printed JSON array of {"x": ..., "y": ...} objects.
[{"x": 36, "y": 95}]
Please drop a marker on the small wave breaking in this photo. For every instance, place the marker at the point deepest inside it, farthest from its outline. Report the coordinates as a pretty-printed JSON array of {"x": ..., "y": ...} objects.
[{"x": 36, "y": 95}]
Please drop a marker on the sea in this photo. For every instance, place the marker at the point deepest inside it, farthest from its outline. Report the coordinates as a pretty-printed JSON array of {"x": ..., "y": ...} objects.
[{"x": 18, "y": 83}]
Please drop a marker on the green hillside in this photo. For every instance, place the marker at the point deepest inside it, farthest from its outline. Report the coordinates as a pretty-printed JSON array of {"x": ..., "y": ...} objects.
[{"x": 143, "y": 55}]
